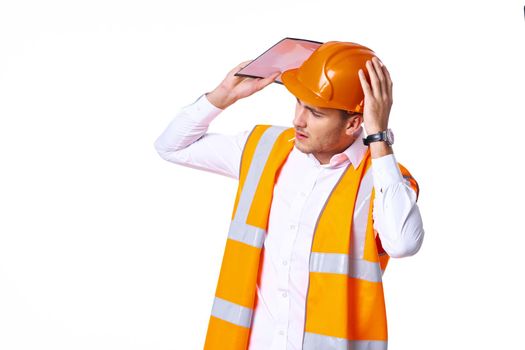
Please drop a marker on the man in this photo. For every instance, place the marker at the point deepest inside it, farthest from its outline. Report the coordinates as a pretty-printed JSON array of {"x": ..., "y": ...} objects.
[{"x": 319, "y": 208}]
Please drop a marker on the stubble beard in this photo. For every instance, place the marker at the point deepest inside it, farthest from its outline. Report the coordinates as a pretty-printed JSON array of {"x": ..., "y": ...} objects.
[{"x": 300, "y": 146}]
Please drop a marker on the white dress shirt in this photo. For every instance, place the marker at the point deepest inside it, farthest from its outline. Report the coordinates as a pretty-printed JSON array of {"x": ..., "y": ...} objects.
[{"x": 299, "y": 195}]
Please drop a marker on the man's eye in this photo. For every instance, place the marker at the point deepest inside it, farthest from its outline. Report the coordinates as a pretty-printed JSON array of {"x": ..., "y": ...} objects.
[{"x": 316, "y": 115}]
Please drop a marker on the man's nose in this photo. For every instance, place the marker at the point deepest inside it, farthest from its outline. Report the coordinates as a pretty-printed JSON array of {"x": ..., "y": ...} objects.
[{"x": 300, "y": 117}]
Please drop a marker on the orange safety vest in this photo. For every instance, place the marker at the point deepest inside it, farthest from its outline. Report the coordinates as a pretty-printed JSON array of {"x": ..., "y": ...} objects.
[{"x": 345, "y": 307}]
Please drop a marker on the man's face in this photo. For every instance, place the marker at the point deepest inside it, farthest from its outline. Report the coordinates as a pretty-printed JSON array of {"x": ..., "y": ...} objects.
[{"x": 326, "y": 131}]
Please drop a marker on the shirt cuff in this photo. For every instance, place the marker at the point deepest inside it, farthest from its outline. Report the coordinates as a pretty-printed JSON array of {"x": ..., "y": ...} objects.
[
  {"x": 386, "y": 172},
  {"x": 202, "y": 110}
]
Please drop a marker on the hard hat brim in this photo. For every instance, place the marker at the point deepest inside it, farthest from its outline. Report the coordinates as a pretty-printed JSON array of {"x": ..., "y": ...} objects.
[{"x": 289, "y": 79}]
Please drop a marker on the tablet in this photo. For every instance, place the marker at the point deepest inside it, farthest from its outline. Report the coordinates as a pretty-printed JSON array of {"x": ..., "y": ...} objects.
[{"x": 288, "y": 53}]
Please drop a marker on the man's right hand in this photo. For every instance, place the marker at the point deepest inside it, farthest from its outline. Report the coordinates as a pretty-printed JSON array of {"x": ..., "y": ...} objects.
[{"x": 233, "y": 88}]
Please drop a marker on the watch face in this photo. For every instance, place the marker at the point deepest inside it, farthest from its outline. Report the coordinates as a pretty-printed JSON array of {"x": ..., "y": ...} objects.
[{"x": 390, "y": 136}]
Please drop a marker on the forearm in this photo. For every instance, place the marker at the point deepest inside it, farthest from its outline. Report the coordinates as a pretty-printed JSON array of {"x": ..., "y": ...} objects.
[
  {"x": 220, "y": 97},
  {"x": 380, "y": 149},
  {"x": 396, "y": 215},
  {"x": 190, "y": 124},
  {"x": 186, "y": 141}
]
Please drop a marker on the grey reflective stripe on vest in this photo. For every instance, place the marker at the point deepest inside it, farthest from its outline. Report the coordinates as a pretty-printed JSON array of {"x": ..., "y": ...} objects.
[
  {"x": 231, "y": 312},
  {"x": 323, "y": 342},
  {"x": 247, "y": 234},
  {"x": 239, "y": 230},
  {"x": 359, "y": 223},
  {"x": 342, "y": 264}
]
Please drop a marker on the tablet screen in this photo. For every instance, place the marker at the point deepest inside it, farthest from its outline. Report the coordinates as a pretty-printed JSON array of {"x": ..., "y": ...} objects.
[{"x": 287, "y": 54}]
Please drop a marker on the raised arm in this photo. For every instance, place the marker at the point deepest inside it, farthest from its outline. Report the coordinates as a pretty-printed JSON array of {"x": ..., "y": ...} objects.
[
  {"x": 186, "y": 141},
  {"x": 396, "y": 215}
]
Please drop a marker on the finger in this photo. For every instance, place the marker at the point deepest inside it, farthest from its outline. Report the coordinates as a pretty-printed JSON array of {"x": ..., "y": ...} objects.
[
  {"x": 364, "y": 84},
  {"x": 244, "y": 64},
  {"x": 268, "y": 80},
  {"x": 238, "y": 67},
  {"x": 376, "y": 85},
  {"x": 389, "y": 82},
  {"x": 379, "y": 71},
  {"x": 249, "y": 85}
]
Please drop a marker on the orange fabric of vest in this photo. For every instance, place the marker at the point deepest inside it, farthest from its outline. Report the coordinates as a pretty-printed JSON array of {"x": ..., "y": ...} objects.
[{"x": 345, "y": 306}]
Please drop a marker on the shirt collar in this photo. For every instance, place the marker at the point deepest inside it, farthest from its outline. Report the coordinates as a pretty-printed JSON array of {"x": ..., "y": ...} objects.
[{"x": 353, "y": 154}]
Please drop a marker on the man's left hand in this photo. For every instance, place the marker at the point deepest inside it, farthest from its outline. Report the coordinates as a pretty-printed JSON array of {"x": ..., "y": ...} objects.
[{"x": 378, "y": 96}]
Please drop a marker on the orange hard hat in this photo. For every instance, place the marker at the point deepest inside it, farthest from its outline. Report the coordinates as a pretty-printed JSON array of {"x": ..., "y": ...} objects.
[{"x": 329, "y": 77}]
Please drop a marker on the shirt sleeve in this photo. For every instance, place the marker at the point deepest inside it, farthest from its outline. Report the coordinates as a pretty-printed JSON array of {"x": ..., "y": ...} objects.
[
  {"x": 186, "y": 142},
  {"x": 396, "y": 215}
]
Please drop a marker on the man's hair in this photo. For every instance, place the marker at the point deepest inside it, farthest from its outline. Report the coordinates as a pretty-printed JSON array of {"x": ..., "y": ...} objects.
[{"x": 347, "y": 114}]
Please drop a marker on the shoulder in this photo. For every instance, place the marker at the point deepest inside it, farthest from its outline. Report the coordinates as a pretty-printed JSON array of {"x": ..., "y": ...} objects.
[{"x": 269, "y": 132}]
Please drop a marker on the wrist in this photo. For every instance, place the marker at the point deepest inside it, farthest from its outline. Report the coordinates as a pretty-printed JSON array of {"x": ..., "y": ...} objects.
[
  {"x": 374, "y": 129},
  {"x": 380, "y": 149},
  {"x": 386, "y": 136},
  {"x": 220, "y": 98}
]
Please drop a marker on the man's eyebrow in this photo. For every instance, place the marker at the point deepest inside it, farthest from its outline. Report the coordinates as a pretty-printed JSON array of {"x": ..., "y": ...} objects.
[{"x": 310, "y": 108}]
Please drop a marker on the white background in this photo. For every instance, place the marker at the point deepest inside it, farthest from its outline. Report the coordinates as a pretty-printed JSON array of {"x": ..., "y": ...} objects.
[{"x": 103, "y": 245}]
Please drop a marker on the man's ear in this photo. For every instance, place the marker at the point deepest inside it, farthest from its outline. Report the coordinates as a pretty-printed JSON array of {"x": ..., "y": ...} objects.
[{"x": 353, "y": 124}]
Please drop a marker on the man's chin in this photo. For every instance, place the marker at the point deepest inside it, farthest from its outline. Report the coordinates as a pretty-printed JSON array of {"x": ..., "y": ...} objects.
[{"x": 301, "y": 147}]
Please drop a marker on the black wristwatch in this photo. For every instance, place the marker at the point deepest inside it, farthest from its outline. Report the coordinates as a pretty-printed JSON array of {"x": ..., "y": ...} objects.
[{"x": 387, "y": 136}]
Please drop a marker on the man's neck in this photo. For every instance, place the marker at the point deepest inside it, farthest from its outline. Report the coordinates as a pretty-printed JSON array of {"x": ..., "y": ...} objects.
[{"x": 324, "y": 158}]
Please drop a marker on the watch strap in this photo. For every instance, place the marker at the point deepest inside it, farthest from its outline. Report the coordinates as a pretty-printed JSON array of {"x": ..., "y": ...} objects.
[{"x": 380, "y": 136}]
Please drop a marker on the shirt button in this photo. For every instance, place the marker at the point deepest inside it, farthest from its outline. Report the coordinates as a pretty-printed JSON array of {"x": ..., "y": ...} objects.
[
  {"x": 284, "y": 294},
  {"x": 292, "y": 227},
  {"x": 281, "y": 332},
  {"x": 285, "y": 262}
]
